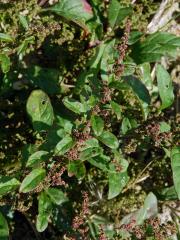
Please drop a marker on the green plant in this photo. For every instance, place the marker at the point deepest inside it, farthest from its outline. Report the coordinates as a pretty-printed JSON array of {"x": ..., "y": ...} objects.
[{"x": 83, "y": 119}]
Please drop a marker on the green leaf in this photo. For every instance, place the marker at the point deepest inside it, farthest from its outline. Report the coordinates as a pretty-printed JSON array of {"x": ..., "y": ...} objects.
[
  {"x": 64, "y": 145},
  {"x": 145, "y": 75},
  {"x": 4, "y": 229},
  {"x": 56, "y": 196},
  {"x": 90, "y": 152},
  {"x": 78, "y": 11},
  {"x": 154, "y": 47},
  {"x": 164, "y": 127},
  {"x": 36, "y": 157},
  {"x": 97, "y": 125},
  {"x": 116, "y": 109},
  {"x": 165, "y": 87},
  {"x": 40, "y": 110},
  {"x": 100, "y": 161},
  {"x": 134, "y": 37},
  {"x": 8, "y": 185},
  {"x": 6, "y": 37},
  {"x": 109, "y": 140},
  {"x": 117, "y": 13},
  {"x": 32, "y": 180},
  {"x": 44, "y": 211},
  {"x": 141, "y": 92},
  {"x": 77, "y": 168},
  {"x": 5, "y": 62},
  {"x": 24, "y": 46},
  {"x": 168, "y": 194},
  {"x": 23, "y": 21},
  {"x": 126, "y": 125},
  {"x": 117, "y": 181},
  {"x": 175, "y": 165},
  {"x": 74, "y": 105}
]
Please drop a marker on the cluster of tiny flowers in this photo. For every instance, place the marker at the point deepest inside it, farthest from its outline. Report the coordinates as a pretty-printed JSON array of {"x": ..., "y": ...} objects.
[
  {"x": 118, "y": 166},
  {"x": 122, "y": 48},
  {"x": 55, "y": 176},
  {"x": 102, "y": 235}
]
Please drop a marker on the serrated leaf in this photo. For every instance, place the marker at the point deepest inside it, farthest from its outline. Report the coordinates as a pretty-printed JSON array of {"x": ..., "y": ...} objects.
[
  {"x": 117, "y": 181},
  {"x": 165, "y": 87},
  {"x": 78, "y": 11},
  {"x": 117, "y": 12},
  {"x": 36, "y": 157},
  {"x": 40, "y": 110},
  {"x": 5, "y": 63},
  {"x": 4, "y": 228},
  {"x": 175, "y": 165},
  {"x": 97, "y": 125},
  {"x": 56, "y": 196},
  {"x": 32, "y": 180},
  {"x": 109, "y": 139},
  {"x": 64, "y": 145},
  {"x": 5, "y": 37},
  {"x": 8, "y": 185},
  {"x": 77, "y": 168}
]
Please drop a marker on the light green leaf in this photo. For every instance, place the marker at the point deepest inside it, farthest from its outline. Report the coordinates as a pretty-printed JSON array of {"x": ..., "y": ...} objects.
[
  {"x": 145, "y": 74},
  {"x": 165, "y": 87},
  {"x": 74, "y": 105},
  {"x": 109, "y": 140},
  {"x": 42, "y": 222},
  {"x": 23, "y": 21},
  {"x": 56, "y": 196},
  {"x": 64, "y": 145},
  {"x": 117, "y": 181},
  {"x": 97, "y": 125},
  {"x": 164, "y": 127},
  {"x": 4, "y": 229},
  {"x": 77, "y": 168},
  {"x": 32, "y": 180},
  {"x": 40, "y": 110},
  {"x": 6, "y": 37},
  {"x": 175, "y": 165},
  {"x": 36, "y": 157},
  {"x": 117, "y": 12},
  {"x": 78, "y": 11},
  {"x": 116, "y": 109},
  {"x": 5, "y": 62},
  {"x": 8, "y": 185}
]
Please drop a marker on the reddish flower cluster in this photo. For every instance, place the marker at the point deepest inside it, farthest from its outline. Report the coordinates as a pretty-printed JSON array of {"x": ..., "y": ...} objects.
[
  {"x": 118, "y": 167},
  {"x": 102, "y": 235},
  {"x": 106, "y": 92},
  {"x": 122, "y": 48},
  {"x": 55, "y": 176}
]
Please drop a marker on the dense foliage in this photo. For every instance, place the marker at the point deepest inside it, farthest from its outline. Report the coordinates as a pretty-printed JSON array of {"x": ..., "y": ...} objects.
[{"x": 89, "y": 121}]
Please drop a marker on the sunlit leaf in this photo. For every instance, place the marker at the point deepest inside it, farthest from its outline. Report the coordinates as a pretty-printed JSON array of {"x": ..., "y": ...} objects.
[
  {"x": 4, "y": 229},
  {"x": 175, "y": 164},
  {"x": 8, "y": 185},
  {"x": 109, "y": 139}
]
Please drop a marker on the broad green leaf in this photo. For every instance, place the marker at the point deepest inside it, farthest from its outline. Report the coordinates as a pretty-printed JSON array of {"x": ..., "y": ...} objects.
[
  {"x": 8, "y": 185},
  {"x": 74, "y": 105},
  {"x": 78, "y": 11},
  {"x": 65, "y": 124},
  {"x": 175, "y": 165},
  {"x": 36, "y": 157},
  {"x": 44, "y": 211},
  {"x": 90, "y": 153},
  {"x": 23, "y": 21},
  {"x": 165, "y": 87},
  {"x": 154, "y": 47},
  {"x": 76, "y": 168},
  {"x": 164, "y": 127},
  {"x": 145, "y": 75},
  {"x": 117, "y": 12},
  {"x": 5, "y": 37},
  {"x": 40, "y": 110},
  {"x": 97, "y": 125},
  {"x": 117, "y": 181},
  {"x": 5, "y": 63},
  {"x": 4, "y": 229},
  {"x": 32, "y": 180},
  {"x": 168, "y": 194},
  {"x": 141, "y": 92},
  {"x": 134, "y": 37},
  {"x": 109, "y": 140},
  {"x": 56, "y": 196},
  {"x": 64, "y": 145},
  {"x": 100, "y": 161}
]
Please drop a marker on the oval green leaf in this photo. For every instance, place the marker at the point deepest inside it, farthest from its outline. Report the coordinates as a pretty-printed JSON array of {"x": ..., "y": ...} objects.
[
  {"x": 36, "y": 158},
  {"x": 64, "y": 145},
  {"x": 97, "y": 125},
  {"x": 175, "y": 165},
  {"x": 109, "y": 140},
  {"x": 56, "y": 195},
  {"x": 8, "y": 185}
]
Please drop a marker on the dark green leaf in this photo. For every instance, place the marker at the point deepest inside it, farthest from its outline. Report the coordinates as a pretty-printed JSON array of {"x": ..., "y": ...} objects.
[
  {"x": 168, "y": 194},
  {"x": 4, "y": 229},
  {"x": 175, "y": 165},
  {"x": 117, "y": 12},
  {"x": 56, "y": 196},
  {"x": 8, "y": 185},
  {"x": 97, "y": 125},
  {"x": 32, "y": 180},
  {"x": 40, "y": 110},
  {"x": 77, "y": 168},
  {"x": 165, "y": 87},
  {"x": 109, "y": 139},
  {"x": 100, "y": 161}
]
